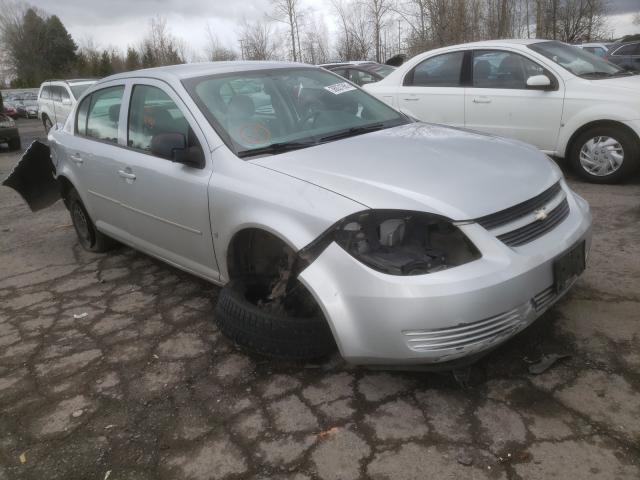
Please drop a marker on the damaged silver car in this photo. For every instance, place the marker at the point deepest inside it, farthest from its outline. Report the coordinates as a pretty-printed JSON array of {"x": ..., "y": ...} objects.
[{"x": 329, "y": 218}]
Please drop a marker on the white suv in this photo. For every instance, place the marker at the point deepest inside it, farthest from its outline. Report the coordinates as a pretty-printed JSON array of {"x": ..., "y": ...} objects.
[
  {"x": 56, "y": 99},
  {"x": 565, "y": 101}
]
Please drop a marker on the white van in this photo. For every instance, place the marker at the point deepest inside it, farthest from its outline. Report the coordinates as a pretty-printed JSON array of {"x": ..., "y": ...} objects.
[{"x": 56, "y": 99}]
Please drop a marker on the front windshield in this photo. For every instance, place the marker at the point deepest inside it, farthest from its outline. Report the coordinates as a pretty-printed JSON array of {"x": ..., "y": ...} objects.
[
  {"x": 577, "y": 61},
  {"x": 79, "y": 89},
  {"x": 294, "y": 107}
]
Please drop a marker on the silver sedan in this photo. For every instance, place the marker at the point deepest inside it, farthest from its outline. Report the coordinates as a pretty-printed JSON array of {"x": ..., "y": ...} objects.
[{"x": 330, "y": 218}]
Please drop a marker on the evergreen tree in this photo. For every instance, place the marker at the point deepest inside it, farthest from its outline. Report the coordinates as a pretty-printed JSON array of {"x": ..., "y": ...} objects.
[
  {"x": 59, "y": 49},
  {"x": 132, "y": 62}
]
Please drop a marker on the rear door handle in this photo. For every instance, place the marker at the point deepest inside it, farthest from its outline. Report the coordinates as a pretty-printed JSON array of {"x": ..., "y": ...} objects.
[
  {"x": 77, "y": 159},
  {"x": 481, "y": 100},
  {"x": 127, "y": 175},
  {"x": 411, "y": 99}
]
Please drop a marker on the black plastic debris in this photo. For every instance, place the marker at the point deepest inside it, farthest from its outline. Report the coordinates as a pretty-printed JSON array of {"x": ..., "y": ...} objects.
[
  {"x": 546, "y": 362},
  {"x": 33, "y": 177}
]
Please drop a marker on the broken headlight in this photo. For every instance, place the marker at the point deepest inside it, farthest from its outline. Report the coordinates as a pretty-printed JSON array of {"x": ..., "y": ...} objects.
[{"x": 398, "y": 242}]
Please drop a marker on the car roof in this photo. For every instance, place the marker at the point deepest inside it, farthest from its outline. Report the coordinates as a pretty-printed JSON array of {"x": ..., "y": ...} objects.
[
  {"x": 71, "y": 80},
  {"x": 201, "y": 69}
]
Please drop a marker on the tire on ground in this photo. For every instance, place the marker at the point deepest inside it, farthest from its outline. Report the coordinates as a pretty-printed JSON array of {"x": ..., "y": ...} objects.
[
  {"x": 96, "y": 241},
  {"x": 270, "y": 334},
  {"x": 15, "y": 144},
  {"x": 629, "y": 143}
]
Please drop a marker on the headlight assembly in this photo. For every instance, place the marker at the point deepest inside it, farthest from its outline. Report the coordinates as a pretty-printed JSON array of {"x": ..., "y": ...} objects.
[{"x": 398, "y": 242}]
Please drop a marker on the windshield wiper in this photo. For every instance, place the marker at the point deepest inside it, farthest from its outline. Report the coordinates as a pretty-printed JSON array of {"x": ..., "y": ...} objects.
[
  {"x": 274, "y": 148},
  {"x": 350, "y": 132}
]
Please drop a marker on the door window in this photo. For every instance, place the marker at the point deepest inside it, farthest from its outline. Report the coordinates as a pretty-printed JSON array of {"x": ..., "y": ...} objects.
[
  {"x": 104, "y": 114},
  {"x": 56, "y": 93},
  {"x": 152, "y": 113},
  {"x": 440, "y": 71},
  {"x": 64, "y": 94},
  {"x": 499, "y": 69}
]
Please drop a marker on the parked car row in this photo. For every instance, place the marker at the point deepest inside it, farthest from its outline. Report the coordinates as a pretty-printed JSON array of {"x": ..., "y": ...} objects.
[
  {"x": 561, "y": 99},
  {"x": 22, "y": 104},
  {"x": 56, "y": 99}
]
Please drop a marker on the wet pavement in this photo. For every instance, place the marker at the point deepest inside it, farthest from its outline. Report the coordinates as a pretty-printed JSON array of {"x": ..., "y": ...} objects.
[{"x": 111, "y": 367}]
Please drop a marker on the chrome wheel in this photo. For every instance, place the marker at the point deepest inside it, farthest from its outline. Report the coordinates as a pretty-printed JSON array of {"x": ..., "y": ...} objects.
[
  {"x": 601, "y": 156},
  {"x": 81, "y": 224}
]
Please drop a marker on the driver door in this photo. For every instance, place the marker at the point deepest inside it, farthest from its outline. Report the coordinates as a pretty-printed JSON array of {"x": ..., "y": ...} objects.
[
  {"x": 166, "y": 203},
  {"x": 499, "y": 102}
]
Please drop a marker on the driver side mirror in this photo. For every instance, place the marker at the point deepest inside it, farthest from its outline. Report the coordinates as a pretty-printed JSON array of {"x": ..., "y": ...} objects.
[
  {"x": 173, "y": 146},
  {"x": 539, "y": 82}
]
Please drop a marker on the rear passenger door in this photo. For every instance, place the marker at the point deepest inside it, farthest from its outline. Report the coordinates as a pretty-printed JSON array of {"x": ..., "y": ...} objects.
[
  {"x": 93, "y": 154},
  {"x": 166, "y": 203},
  {"x": 433, "y": 91}
]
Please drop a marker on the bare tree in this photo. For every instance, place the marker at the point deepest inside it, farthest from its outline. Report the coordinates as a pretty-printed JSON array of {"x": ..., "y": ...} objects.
[
  {"x": 315, "y": 42},
  {"x": 257, "y": 40},
  {"x": 287, "y": 11},
  {"x": 377, "y": 10},
  {"x": 160, "y": 47},
  {"x": 355, "y": 39},
  {"x": 214, "y": 49}
]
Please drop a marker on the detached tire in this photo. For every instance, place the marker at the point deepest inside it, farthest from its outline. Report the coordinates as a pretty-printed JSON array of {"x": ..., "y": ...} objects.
[
  {"x": 270, "y": 334},
  {"x": 88, "y": 236},
  {"x": 605, "y": 154}
]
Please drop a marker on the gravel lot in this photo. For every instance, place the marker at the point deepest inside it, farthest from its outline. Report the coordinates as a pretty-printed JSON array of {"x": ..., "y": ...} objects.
[{"x": 145, "y": 387}]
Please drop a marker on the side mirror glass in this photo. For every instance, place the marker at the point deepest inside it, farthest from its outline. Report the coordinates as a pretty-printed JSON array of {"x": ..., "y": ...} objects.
[{"x": 539, "y": 82}]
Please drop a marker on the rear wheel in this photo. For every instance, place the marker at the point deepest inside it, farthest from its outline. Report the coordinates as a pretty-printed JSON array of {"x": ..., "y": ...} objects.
[
  {"x": 90, "y": 238},
  {"x": 605, "y": 154},
  {"x": 15, "y": 144},
  {"x": 46, "y": 122}
]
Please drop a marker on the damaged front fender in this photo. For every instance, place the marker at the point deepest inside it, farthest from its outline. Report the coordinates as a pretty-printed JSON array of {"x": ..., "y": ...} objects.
[{"x": 33, "y": 177}]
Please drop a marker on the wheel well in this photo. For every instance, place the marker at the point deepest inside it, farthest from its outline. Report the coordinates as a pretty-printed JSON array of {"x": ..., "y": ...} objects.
[
  {"x": 254, "y": 251},
  {"x": 65, "y": 188},
  {"x": 597, "y": 123}
]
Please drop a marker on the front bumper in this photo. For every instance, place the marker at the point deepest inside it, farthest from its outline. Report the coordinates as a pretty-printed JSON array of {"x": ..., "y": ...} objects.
[{"x": 444, "y": 316}]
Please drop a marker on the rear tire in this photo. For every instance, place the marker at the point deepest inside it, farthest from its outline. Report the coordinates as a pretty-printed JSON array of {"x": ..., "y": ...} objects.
[
  {"x": 15, "y": 144},
  {"x": 605, "y": 154},
  {"x": 89, "y": 237},
  {"x": 270, "y": 334},
  {"x": 46, "y": 123}
]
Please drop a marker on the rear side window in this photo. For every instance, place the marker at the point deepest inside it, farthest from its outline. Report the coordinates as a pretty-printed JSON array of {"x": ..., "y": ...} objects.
[
  {"x": 152, "y": 113},
  {"x": 104, "y": 114},
  {"x": 45, "y": 93},
  {"x": 440, "y": 71}
]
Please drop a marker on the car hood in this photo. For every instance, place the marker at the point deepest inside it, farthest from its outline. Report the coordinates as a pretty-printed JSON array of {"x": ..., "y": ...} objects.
[{"x": 456, "y": 173}]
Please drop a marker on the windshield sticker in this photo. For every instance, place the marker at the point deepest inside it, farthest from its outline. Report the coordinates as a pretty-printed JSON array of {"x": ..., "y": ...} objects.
[{"x": 338, "y": 88}]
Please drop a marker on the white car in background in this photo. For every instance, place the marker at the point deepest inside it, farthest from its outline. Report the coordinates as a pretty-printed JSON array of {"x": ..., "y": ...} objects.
[
  {"x": 561, "y": 99},
  {"x": 598, "y": 49},
  {"x": 56, "y": 99}
]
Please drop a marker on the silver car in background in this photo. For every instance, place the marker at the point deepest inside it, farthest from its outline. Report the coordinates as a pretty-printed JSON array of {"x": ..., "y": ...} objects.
[{"x": 327, "y": 215}]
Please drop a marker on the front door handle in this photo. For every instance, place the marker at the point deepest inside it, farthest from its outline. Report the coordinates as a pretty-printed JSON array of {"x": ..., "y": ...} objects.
[
  {"x": 77, "y": 159},
  {"x": 127, "y": 175},
  {"x": 481, "y": 100}
]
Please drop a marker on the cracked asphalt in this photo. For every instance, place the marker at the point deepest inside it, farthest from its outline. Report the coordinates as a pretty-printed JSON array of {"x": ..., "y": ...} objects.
[{"x": 111, "y": 366}]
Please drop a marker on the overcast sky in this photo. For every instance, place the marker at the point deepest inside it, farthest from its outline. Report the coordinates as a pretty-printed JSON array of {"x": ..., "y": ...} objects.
[{"x": 118, "y": 23}]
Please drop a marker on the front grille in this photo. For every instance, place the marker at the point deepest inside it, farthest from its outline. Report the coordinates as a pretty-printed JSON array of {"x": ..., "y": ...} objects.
[
  {"x": 511, "y": 214},
  {"x": 537, "y": 228},
  {"x": 465, "y": 335}
]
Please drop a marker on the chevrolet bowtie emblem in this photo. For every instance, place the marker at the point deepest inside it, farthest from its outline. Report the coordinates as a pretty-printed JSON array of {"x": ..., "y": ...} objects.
[{"x": 541, "y": 214}]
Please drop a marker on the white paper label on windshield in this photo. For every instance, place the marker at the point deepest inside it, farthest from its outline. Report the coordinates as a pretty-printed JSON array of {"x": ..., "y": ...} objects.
[{"x": 338, "y": 88}]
